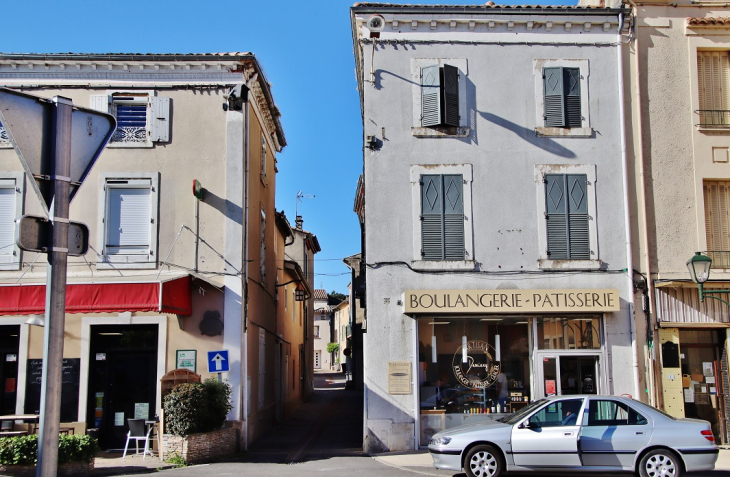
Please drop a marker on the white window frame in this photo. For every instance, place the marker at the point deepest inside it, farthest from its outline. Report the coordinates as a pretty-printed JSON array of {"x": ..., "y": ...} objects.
[
  {"x": 136, "y": 180},
  {"x": 417, "y": 261},
  {"x": 12, "y": 258},
  {"x": 585, "y": 130},
  {"x": 439, "y": 131},
  {"x": 544, "y": 261}
]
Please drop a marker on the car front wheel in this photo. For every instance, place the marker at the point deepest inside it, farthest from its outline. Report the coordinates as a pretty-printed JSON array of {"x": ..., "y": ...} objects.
[
  {"x": 660, "y": 463},
  {"x": 483, "y": 461}
]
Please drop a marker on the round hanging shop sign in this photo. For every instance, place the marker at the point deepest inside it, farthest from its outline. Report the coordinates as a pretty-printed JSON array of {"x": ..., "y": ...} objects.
[{"x": 480, "y": 370}]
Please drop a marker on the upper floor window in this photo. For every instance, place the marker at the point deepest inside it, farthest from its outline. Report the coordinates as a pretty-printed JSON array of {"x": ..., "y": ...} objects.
[
  {"x": 717, "y": 207},
  {"x": 439, "y": 97},
  {"x": 129, "y": 221},
  {"x": 714, "y": 88},
  {"x": 567, "y": 211},
  {"x": 442, "y": 228},
  {"x": 142, "y": 118},
  {"x": 263, "y": 246},
  {"x": 11, "y": 208},
  {"x": 442, "y": 217},
  {"x": 316, "y": 331},
  {"x": 561, "y": 96}
]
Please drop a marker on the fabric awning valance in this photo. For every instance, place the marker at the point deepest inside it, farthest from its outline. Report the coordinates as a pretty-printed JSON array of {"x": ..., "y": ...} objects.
[{"x": 164, "y": 295}]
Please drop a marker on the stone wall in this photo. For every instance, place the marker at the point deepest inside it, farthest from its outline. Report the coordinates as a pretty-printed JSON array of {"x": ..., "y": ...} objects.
[{"x": 199, "y": 448}]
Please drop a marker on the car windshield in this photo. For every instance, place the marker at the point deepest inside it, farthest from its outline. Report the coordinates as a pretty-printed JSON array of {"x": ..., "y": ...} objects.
[
  {"x": 516, "y": 417},
  {"x": 641, "y": 404}
]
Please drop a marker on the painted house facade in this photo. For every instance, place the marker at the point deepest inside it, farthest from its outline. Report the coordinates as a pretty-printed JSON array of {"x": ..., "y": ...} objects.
[
  {"x": 168, "y": 276},
  {"x": 494, "y": 211}
]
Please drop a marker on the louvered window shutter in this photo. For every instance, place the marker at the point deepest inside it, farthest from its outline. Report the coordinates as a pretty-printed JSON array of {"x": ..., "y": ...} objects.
[
  {"x": 553, "y": 97},
  {"x": 453, "y": 217},
  {"x": 128, "y": 221},
  {"x": 100, "y": 102},
  {"x": 432, "y": 227},
  {"x": 717, "y": 223},
  {"x": 579, "y": 245},
  {"x": 160, "y": 119},
  {"x": 430, "y": 96},
  {"x": 556, "y": 214},
  {"x": 713, "y": 87},
  {"x": 451, "y": 95},
  {"x": 566, "y": 202},
  {"x": 7, "y": 220},
  {"x": 571, "y": 82}
]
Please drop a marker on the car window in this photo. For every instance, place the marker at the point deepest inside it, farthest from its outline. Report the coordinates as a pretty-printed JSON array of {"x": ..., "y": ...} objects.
[
  {"x": 640, "y": 404},
  {"x": 519, "y": 415},
  {"x": 558, "y": 413},
  {"x": 606, "y": 412}
]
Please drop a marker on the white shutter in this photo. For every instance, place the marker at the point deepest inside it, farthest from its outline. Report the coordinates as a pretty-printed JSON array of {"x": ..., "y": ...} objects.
[
  {"x": 128, "y": 222},
  {"x": 7, "y": 222},
  {"x": 100, "y": 102},
  {"x": 160, "y": 119}
]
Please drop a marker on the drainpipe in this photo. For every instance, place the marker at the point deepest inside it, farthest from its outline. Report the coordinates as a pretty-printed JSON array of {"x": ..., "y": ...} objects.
[
  {"x": 651, "y": 368},
  {"x": 244, "y": 338},
  {"x": 627, "y": 216}
]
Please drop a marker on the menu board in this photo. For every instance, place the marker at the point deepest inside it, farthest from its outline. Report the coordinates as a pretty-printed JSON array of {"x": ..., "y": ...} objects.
[{"x": 69, "y": 388}]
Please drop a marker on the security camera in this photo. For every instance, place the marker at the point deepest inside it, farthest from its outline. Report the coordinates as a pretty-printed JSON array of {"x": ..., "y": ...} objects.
[{"x": 376, "y": 23}]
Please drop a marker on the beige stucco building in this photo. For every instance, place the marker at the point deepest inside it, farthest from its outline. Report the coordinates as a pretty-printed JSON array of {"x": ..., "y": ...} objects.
[
  {"x": 168, "y": 277},
  {"x": 678, "y": 137}
]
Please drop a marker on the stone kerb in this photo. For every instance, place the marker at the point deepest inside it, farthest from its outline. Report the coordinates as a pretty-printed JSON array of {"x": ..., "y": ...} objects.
[{"x": 69, "y": 469}]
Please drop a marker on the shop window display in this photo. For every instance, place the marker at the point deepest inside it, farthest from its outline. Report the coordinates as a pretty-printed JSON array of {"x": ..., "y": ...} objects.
[{"x": 471, "y": 369}]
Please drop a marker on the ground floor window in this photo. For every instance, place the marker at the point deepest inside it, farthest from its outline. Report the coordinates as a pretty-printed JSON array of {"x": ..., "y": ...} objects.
[{"x": 479, "y": 368}]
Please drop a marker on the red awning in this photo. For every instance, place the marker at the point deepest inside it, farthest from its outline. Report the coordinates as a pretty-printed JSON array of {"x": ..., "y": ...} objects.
[{"x": 171, "y": 295}]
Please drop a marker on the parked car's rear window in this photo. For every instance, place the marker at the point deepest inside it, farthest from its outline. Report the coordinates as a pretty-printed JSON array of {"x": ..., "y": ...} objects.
[{"x": 640, "y": 404}]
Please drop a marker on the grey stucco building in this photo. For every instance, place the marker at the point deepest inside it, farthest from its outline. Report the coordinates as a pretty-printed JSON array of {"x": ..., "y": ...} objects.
[{"x": 497, "y": 247}]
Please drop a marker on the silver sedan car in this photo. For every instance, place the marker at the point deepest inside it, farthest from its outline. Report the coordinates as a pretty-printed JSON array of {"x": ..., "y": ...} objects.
[{"x": 586, "y": 433}]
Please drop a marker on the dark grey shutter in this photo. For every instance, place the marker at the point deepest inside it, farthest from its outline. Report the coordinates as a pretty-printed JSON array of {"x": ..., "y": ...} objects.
[
  {"x": 432, "y": 229},
  {"x": 566, "y": 204},
  {"x": 579, "y": 244},
  {"x": 453, "y": 217},
  {"x": 571, "y": 78},
  {"x": 553, "y": 97},
  {"x": 430, "y": 96},
  {"x": 556, "y": 214},
  {"x": 451, "y": 95}
]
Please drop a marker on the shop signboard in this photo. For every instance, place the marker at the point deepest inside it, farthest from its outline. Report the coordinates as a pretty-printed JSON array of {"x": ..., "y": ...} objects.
[{"x": 512, "y": 301}]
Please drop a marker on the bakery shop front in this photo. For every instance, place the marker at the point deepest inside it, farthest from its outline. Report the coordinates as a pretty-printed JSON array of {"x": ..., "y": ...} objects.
[{"x": 483, "y": 354}]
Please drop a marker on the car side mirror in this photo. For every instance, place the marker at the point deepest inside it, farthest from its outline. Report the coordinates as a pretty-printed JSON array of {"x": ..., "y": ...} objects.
[{"x": 530, "y": 425}]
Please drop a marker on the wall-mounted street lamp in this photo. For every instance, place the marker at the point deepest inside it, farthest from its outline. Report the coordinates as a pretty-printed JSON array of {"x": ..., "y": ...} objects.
[{"x": 699, "y": 269}]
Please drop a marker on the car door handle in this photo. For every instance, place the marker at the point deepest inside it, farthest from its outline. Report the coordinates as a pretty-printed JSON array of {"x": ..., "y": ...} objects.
[
  {"x": 639, "y": 433},
  {"x": 568, "y": 433}
]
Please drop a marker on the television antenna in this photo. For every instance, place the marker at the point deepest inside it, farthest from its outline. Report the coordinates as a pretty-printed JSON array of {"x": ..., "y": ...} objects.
[{"x": 301, "y": 196}]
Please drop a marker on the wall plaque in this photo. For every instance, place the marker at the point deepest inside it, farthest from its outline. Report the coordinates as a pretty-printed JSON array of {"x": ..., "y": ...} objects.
[{"x": 399, "y": 377}]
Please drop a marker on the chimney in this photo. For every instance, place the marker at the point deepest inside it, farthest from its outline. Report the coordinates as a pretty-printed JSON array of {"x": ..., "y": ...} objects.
[{"x": 299, "y": 222}]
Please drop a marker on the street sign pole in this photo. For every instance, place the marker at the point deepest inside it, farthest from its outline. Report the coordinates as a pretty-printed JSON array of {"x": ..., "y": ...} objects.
[{"x": 55, "y": 291}]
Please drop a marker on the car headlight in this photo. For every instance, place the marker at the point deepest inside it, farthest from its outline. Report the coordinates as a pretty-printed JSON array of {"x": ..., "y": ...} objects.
[{"x": 439, "y": 441}]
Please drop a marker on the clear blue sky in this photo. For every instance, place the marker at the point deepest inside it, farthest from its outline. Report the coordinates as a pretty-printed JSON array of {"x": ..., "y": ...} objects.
[{"x": 305, "y": 48}]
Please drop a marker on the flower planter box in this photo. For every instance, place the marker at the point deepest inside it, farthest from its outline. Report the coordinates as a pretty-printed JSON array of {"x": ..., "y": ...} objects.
[
  {"x": 202, "y": 447},
  {"x": 72, "y": 468}
]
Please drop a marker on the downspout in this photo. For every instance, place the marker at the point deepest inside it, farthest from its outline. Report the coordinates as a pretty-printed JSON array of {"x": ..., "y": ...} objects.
[
  {"x": 627, "y": 216},
  {"x": 244, "y": 350},
  {"x": 639, "y": 156}
]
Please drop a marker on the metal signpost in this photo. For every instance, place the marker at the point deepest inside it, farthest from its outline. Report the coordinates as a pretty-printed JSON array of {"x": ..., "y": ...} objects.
[{"x": 57, "y": 144}]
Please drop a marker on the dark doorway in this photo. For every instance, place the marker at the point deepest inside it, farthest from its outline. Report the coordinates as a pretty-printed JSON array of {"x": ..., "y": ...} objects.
[
  {"x": 122, "y": 379},
  {"x": 9, "y": 344}
]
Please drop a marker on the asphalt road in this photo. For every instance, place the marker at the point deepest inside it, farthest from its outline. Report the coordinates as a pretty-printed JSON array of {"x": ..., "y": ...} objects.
[{"x": 325, "y": 436}]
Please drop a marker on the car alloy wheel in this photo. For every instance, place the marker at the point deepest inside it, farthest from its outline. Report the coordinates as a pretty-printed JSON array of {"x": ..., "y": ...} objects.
[
  {"x": 483, "y": 461},
  {"x": 660, "y": 463}
]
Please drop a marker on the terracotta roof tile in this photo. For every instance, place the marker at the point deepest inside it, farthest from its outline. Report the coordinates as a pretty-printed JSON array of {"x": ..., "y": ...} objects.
[
  {"x": 320, "y": 294},
  {"x": 708, "y": 21}
]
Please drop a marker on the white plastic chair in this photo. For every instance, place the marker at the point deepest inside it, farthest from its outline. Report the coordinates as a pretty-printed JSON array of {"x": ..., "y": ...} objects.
[{"x": 136, "y": 432}]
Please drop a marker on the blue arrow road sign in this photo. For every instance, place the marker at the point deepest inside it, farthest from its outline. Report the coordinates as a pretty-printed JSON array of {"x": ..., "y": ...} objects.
[{"x": 218, "y": 361}]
